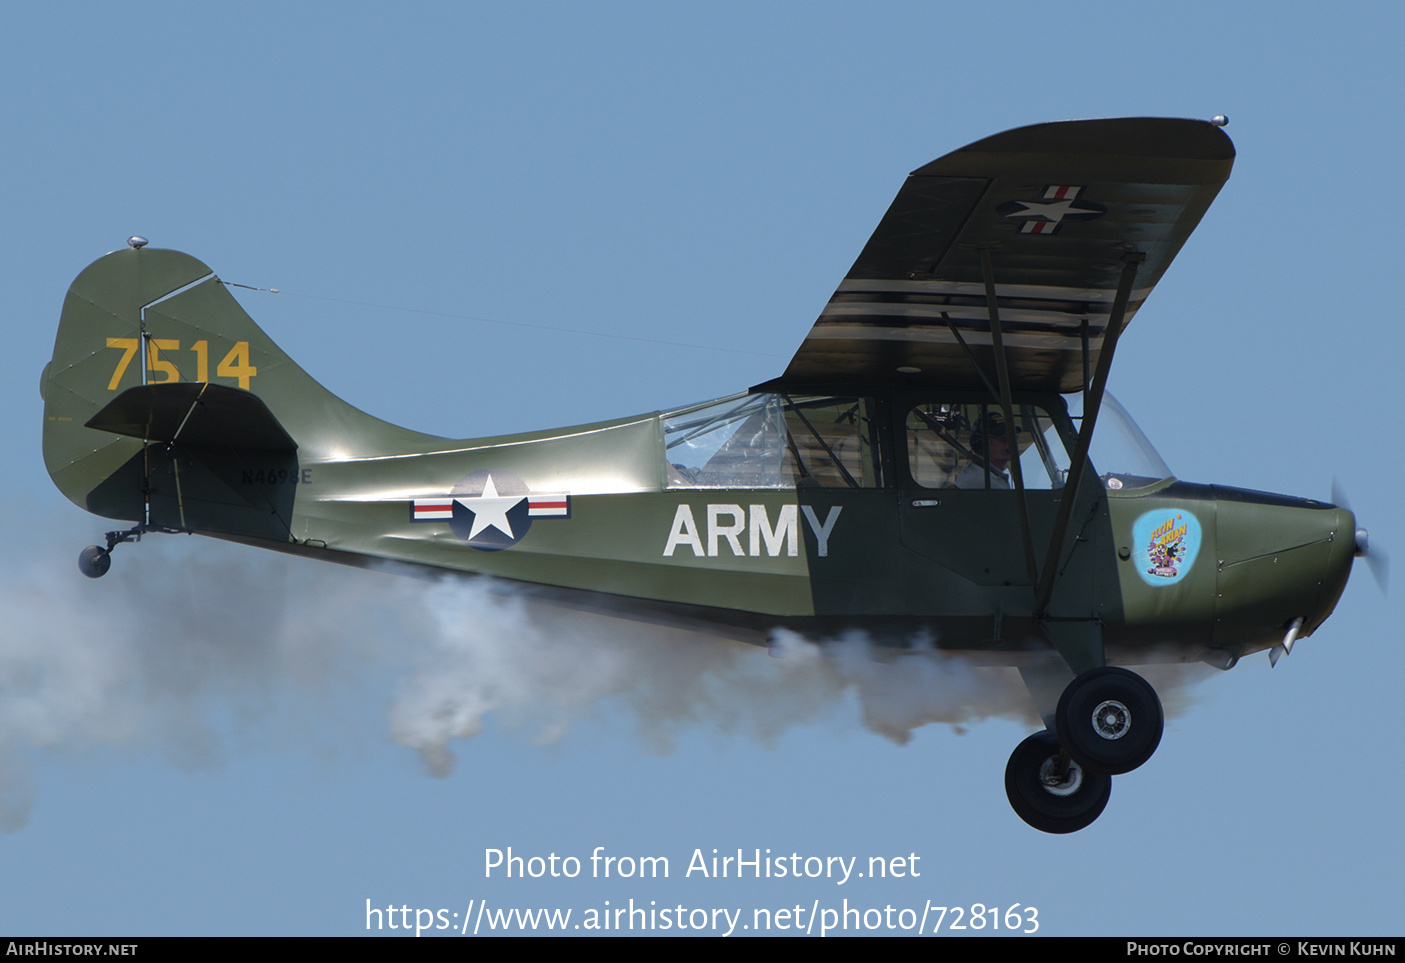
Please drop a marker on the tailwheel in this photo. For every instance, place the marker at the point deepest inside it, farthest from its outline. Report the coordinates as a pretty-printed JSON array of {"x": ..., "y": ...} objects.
[
  {"x": 1049, "y": 790},
  {"x": 1109, "y": 720},
  {"x": 94, "y": 561}
]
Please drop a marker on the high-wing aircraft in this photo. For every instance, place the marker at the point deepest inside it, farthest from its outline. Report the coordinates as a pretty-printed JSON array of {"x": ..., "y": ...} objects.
[{"x": 926, "y": 469}]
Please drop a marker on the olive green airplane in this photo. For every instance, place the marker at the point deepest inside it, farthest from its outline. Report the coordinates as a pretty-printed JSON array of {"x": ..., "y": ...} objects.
[{"x": 926, "y": 470}]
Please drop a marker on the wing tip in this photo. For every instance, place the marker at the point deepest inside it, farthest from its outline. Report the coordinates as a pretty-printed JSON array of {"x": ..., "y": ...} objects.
[{"x": 1168, "y": 138}]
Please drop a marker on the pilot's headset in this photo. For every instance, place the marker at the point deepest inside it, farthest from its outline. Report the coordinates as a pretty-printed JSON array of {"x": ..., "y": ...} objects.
[{"x": 993, "y": 425}]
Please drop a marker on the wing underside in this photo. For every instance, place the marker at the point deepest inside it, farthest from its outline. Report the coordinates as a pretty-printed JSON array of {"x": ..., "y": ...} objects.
[{"x": 1059, "y": 207}]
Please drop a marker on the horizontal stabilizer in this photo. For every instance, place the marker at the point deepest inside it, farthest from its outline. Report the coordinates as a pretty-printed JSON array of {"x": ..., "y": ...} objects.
[{"x": 195, "y": 413}]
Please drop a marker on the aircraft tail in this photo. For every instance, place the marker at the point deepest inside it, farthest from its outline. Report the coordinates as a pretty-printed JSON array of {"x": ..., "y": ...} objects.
[{"x": 165, "y": 404}]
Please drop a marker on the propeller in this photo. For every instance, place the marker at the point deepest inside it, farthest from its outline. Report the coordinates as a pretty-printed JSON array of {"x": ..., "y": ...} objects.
[{"x": 1377, "y": 559}]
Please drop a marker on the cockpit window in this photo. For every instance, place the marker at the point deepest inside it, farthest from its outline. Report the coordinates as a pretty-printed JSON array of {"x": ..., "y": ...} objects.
[
  {"x": 952, "y": 445},
  {"x": 1122, "y": 455},
  {"x": 773, "y": 441}
]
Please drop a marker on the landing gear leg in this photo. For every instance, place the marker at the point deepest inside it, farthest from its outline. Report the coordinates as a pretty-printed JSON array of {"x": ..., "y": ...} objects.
[
  {"x": 1049, "y": 790},
  {"x": 94, "y": 561},
  {"x": 1109, "y": 720}
]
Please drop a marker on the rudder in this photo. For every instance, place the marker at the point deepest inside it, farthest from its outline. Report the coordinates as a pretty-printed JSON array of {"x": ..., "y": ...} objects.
[{"x": 163, "y": 398}]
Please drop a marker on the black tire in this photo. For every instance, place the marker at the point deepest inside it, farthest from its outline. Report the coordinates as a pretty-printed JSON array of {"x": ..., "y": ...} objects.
[
  {"x": 1041, "y": 798},
  {"x": 1109, "y": 720},
  {"x": 94, "y": 562}
]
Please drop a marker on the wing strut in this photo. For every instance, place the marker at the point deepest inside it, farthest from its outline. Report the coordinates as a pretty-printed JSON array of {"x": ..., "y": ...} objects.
[
  {"x": 1007, "y": 407},
  {"x": 1094, "y": 398},
  {"x": 1083, "y": 336},
  {"x": 956, "y": 333}
]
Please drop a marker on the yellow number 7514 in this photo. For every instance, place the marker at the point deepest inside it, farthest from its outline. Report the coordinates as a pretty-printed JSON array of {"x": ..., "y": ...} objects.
[{"x": 235, "y": 364}]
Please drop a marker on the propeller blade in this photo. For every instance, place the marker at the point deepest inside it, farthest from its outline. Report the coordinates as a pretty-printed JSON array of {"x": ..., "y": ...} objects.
[
  {"x": 1377, "y": 558},
  {"x": 1339, "y": 495},
  {"x": 1379, "y": 563}
]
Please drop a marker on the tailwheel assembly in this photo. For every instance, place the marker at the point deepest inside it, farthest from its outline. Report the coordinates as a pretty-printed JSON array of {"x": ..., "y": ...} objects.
[{"x": 94, "y": 561}]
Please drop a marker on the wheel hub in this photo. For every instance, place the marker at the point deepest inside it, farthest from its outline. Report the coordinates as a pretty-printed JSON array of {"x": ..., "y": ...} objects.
[
  {"x": 1111, "y": 719},
  {"x": 1060, "y": 780}
]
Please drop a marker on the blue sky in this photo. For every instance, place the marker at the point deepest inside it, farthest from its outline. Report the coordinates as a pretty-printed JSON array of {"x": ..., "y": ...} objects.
[{"x": 216, "y": 740}]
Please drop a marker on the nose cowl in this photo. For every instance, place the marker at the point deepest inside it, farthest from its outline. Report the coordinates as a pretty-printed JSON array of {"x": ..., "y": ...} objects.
[{"x": 1280, "y": 559}]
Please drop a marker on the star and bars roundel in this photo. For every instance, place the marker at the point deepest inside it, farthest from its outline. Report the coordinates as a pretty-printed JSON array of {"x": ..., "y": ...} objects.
[
  {"x": 1060, "y": 203},
  {"x": 491, "y": 510}
]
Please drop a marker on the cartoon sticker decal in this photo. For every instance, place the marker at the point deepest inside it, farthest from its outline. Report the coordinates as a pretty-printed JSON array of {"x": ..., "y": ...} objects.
[
  {"x": 491, "y": 510},
  {"x": 1166, "y": 542}
]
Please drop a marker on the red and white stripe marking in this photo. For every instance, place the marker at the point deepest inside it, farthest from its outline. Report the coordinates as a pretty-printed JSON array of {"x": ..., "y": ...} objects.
[
  {"x": 1061, "y": 192},
  {"x": 428, "y": 509},
  {"x": 548, "y": 506},
  {"x": 538, "y": 506}
]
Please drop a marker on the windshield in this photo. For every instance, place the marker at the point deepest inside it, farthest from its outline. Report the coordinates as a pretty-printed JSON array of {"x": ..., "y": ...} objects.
[{"x": 1122, "y": 455}]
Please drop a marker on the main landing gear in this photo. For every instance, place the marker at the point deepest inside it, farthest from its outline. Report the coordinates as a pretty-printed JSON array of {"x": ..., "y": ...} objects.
[
  {"x": 1109, "y": 721},
  {"x": 1049, "y": 790}
]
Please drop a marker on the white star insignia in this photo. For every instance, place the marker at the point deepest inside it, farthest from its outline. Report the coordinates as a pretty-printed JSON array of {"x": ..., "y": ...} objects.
[
  {"x": 1050, "y": 211},
  {"x": 490, "y": 509}
]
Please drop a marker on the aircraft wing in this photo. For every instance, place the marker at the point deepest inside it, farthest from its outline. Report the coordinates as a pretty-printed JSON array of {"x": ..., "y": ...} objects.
[{"x": 1059, "y": 206}]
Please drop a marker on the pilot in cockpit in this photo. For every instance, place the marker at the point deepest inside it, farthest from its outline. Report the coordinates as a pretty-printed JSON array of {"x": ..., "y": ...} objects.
[{"x": 989, "y": 441}]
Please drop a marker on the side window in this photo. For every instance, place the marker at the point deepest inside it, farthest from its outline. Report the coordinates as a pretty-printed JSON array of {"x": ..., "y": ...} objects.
[
  {"x": 831, "y": 443},
  {"x": 951, "y": 445},
  {"x": 773, "y": 441},
  {"x": 938, "y": 444},
  {"x": 737, "y": 442}
]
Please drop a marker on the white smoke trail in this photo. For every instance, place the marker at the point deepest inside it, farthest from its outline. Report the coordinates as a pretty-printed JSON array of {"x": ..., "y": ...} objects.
[
  {"x": 188, "y": 646},
  {"x": 193, "y": 646}
]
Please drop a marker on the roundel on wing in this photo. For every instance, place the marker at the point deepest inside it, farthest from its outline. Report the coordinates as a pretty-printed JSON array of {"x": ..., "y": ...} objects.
[{"x": 491, "y": 509}]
